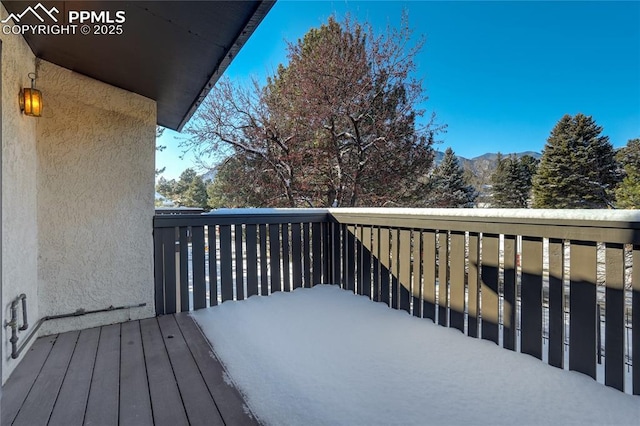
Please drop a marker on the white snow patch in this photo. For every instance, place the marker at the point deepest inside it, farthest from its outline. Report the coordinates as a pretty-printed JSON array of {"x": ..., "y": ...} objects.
[
  {"x": 227, "y": 379},
  {"x": 247, "y": 411},
  {"x": 324, "y": 356}
]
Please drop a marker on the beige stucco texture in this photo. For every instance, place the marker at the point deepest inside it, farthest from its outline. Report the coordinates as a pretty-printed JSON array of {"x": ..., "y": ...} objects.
[
  {"x": 96, "y": 149},
  {"x": 77, "y": 193},
  {"x": 19, "y": 188}
]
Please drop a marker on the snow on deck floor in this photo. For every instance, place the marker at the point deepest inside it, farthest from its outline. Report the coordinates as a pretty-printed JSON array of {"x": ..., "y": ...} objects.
[{"x": 324, "y": 356}]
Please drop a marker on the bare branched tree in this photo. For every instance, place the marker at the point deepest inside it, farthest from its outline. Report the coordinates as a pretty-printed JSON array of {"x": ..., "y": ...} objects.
[{"x": 336, "y": 126}]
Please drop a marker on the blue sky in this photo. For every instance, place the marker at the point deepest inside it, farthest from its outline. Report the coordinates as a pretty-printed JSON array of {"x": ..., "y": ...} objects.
[{"x": 499, "y": 74}]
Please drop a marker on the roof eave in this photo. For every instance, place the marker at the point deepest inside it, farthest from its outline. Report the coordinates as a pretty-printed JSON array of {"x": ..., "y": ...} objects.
[{"x": 256, "y": 18}]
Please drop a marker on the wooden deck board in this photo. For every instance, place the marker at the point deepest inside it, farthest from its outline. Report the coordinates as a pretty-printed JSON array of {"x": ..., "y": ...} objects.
[
  {"x": 102, "y": 406},
  {"x": 229, "y": 401},
  {"x": 70, "y": 406},
  {"x": 155, "y": 371},
  {"x": 39, "y": 404},
  {"x": 135, "y": 402},
  {"x": 16, "y": 389},
  {"x": 198, "y": 402},
  {"x": 165, "y": 396}
]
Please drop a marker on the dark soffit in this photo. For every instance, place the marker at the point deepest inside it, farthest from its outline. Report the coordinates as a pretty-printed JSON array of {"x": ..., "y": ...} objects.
[{"x": 170, "y": 51}]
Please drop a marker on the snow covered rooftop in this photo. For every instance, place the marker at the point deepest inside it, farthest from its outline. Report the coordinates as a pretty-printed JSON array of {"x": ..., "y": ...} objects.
[{"x": 324, "y": 356}]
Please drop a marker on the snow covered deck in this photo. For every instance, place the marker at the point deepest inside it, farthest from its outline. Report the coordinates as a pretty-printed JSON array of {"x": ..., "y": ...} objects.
[{"x": 324, "y": 356}]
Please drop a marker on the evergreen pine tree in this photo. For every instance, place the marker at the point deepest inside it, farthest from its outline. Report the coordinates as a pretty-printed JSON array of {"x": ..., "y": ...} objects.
[
  {"x": 628, "y": 192},
  {"x": 166, "y": 188},
  {"x": 499, "y": 185},
  {"x": 577, "y": 168},
  {"x": 196, "y": 194},
  {"x": 448, "y": 185},
  {"x": 512, "y": 181},
  {"x": 189, "y": 191}
]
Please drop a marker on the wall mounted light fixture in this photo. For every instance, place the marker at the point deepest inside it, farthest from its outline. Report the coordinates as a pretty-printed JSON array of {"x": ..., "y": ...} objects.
[{"x": 31, "y": 99}]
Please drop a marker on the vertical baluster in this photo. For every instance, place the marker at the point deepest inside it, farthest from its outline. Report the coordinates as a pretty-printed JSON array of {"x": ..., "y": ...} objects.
[
  {"x": 474, "y": 283},
  {"x": 264, "y": 259},
  {"x": 317, "y": 237},
  {"x": 531, "y": 319},
  {"x": 395, "y": 246},
  {"x": 614, "y": 311},
  {"x": 376, "y": 267},
  {"x": 404, "y": 270},
  {"x": 509, "y": 306},
  {"x": 416, "y": 277},
  {"x": 239, "y": 262},
  {"x": 336, "y": 253},
  {"x": 456, "y": 280},
  {"x": 348, "y": 236},
  {"x": 159, "y": 268},
  {"x": 226, "y": 265},
  {"x": 183, "y": 268},
  {"x": 582, "y": 327},
  {"x": 286, "y": 273},
  {"x": 252, "y": 260},
  {"x": 306, "y": 256},
  {"x": 556, "y": 303},
  {"x": 366, "y": 248},
  {"x": 429, "y": 275},
  {"x": 213, "y": 265},
  {"x": 274, "y": 257},
  {"x": 385, "y": 263},
  {"x": 327, "y": 252},
  {"x": 197, "y": 257},
  {"x": 343, "y": 256},
  {"x": 170, "y": 270},
  {"x": 489, "y": 287},
  {"x": 443, "y": 278},
  {"x": 358, "y": 259},
  {"x": 296, "y": 255}
]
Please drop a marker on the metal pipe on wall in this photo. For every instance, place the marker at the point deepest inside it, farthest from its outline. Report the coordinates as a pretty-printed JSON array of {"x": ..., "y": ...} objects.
[{"x": 13, "y": 323}]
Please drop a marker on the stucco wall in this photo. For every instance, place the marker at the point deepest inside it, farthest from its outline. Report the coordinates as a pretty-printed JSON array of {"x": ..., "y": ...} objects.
[
  {"x": 19, "y": 188},
  {"x": 77, "y": 195},
  {"x": 96, "y": 163}
]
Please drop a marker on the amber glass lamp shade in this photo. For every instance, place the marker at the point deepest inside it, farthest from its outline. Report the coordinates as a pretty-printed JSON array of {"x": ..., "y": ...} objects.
[{"x": 31, "y": 102}]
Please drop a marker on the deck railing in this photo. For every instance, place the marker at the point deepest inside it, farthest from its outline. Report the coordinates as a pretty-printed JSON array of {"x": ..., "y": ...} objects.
[
  {"x": 562, "y": 288},
  {"x": 203, "y": 260}
]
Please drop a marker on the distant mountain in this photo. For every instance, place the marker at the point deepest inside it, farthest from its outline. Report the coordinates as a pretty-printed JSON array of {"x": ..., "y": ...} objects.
[
  {"x": 484, "y": 165},
  {"x": 488, "y": 157},
  {"x": 479, "y": 169},
  {"x": 492, "y": 157}
]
